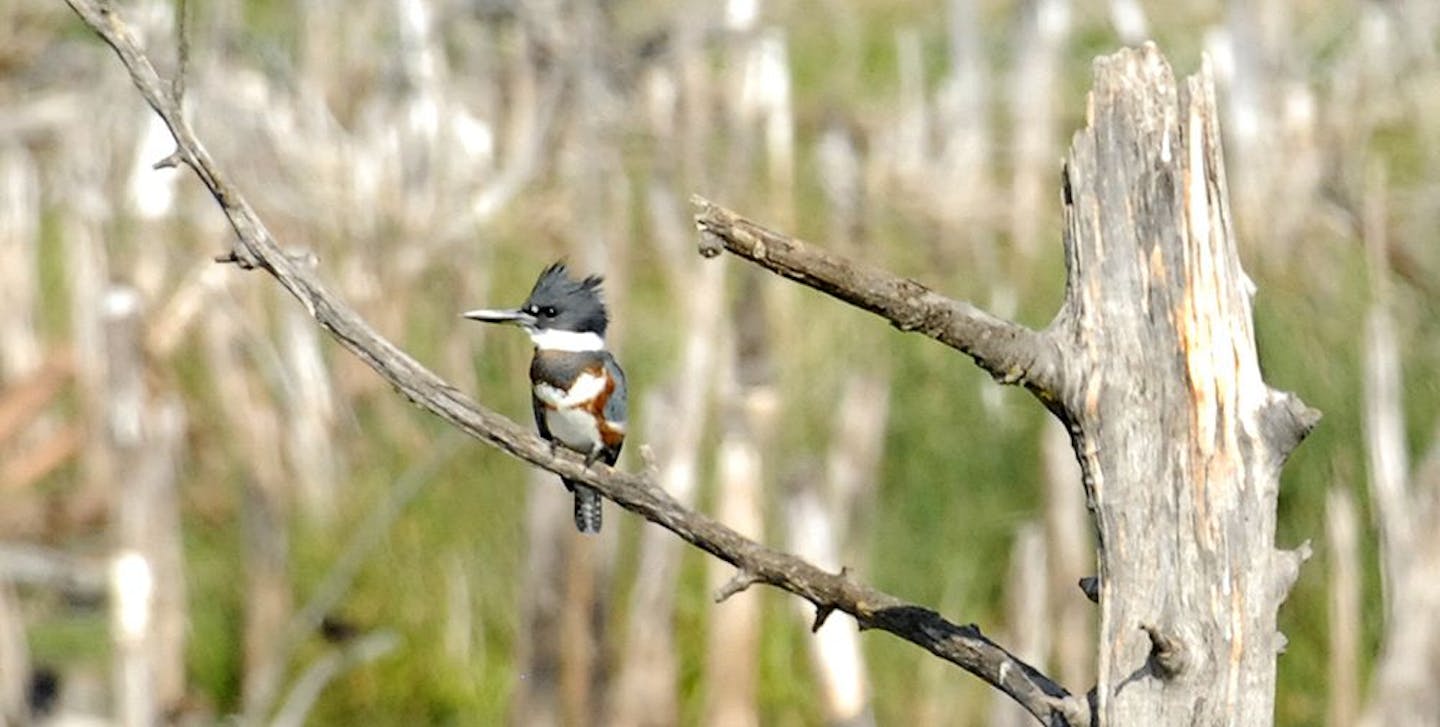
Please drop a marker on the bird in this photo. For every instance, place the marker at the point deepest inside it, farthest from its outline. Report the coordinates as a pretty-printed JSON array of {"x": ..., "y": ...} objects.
[{"x": 577, "y": 387}]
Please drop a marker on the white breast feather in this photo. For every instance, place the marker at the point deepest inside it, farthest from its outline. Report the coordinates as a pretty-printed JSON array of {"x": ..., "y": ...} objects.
[
  {"x": 572, "y": 426},
  {"x": 575, "y": 428}
]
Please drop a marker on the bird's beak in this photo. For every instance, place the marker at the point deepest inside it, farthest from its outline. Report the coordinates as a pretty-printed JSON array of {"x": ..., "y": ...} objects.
[{"x": 501, "y": 315}]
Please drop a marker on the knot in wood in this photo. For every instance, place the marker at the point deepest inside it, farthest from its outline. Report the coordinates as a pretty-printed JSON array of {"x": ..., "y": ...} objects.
[
  {"x": 1168, "y": 658},
  {"x": 710, "y": 245},
  {"x": 916, "y": 311}
]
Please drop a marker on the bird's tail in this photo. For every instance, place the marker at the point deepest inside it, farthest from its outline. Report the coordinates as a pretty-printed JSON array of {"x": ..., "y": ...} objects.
[{"x": 587, "y": 507}]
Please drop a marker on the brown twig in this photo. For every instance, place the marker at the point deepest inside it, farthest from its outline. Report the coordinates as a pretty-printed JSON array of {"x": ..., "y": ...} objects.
[{"x": 964, "y": 646}]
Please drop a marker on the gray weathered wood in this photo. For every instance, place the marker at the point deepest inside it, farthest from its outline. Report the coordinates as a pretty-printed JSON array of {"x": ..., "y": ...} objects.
[{"x": 1180, "y": 439}]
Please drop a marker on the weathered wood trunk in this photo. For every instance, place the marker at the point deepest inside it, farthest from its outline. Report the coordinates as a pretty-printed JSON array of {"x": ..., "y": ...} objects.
[{"x": 1180, "y": 439}]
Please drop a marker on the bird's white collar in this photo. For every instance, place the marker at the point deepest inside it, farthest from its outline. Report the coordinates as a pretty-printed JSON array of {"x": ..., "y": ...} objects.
[{"x": 549, "y": 339}]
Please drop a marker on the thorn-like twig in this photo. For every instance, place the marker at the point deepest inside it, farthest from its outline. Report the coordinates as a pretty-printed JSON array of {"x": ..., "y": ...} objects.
[
  {"x": 823, "y": 610},
  {"x": 822, "y": 613},
  {"x": 740, "y": 581},
  {"x": 1090, "y": 586},
  {"x": 174, "y": 159},
  {"x": 233, "y": 258},
  {"x": 1286, "y": 569}
]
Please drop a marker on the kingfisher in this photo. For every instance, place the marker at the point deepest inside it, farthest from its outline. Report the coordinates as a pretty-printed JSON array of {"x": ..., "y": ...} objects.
[{"x": 577, "y": 389}]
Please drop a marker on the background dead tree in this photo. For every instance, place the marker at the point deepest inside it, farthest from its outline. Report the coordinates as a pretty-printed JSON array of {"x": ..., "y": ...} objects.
[
  {"x": 746, "y": 390},
  {"x": 14, "y": 660},
  {"x": 1342, "y": 537},
  {"x": 821, "y": 517},
  {"x": 144, "y": 432},
  {"x": 648, "y": 675},
  {"x": 1407, "y": 501},
  {"x": 1029, "y": 630}
]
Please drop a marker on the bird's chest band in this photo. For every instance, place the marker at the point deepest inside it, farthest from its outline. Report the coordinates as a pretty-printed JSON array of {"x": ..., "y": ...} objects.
[{"x": 587, "y": 386}]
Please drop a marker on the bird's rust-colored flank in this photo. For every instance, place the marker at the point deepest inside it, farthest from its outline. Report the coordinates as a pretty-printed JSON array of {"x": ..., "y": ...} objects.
[{"x": 609, "y": 434}]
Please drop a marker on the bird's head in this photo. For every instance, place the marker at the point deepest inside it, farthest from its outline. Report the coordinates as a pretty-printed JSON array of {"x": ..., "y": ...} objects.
[{"x": 561, "y": 312}]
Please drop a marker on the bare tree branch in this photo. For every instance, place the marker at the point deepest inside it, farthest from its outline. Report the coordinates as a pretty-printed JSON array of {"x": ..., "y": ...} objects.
[
  {"x": 1009, "y": 351},
  {"x": 1012, "y": 353}
]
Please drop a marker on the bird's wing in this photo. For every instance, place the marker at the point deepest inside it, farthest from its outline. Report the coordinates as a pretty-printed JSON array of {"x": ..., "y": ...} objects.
[
  {"x": 539, "y": 409},
  {"x": 616, "y": 409}
]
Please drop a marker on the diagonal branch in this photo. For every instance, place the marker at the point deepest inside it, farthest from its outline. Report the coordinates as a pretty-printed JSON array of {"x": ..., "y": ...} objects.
[
  {"x": 1010, "y": 352},
  {"x": 964, "y": 645}
]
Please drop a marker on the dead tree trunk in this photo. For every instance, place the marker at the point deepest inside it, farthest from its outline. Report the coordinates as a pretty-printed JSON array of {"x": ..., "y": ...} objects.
[
  {"x": 148, "y": 586},
  {"x": 1180, "y": 439}
]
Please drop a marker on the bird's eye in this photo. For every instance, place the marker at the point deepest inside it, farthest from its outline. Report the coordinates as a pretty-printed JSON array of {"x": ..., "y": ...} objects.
[{"x": 548, "y": 311}]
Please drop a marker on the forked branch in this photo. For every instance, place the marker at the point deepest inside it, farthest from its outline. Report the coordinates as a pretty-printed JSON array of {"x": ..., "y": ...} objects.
[{"x": 254, "y": 247}]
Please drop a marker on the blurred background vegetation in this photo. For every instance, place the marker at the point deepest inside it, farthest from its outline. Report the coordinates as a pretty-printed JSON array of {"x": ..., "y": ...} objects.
[{"x": 309, "y": 531}]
